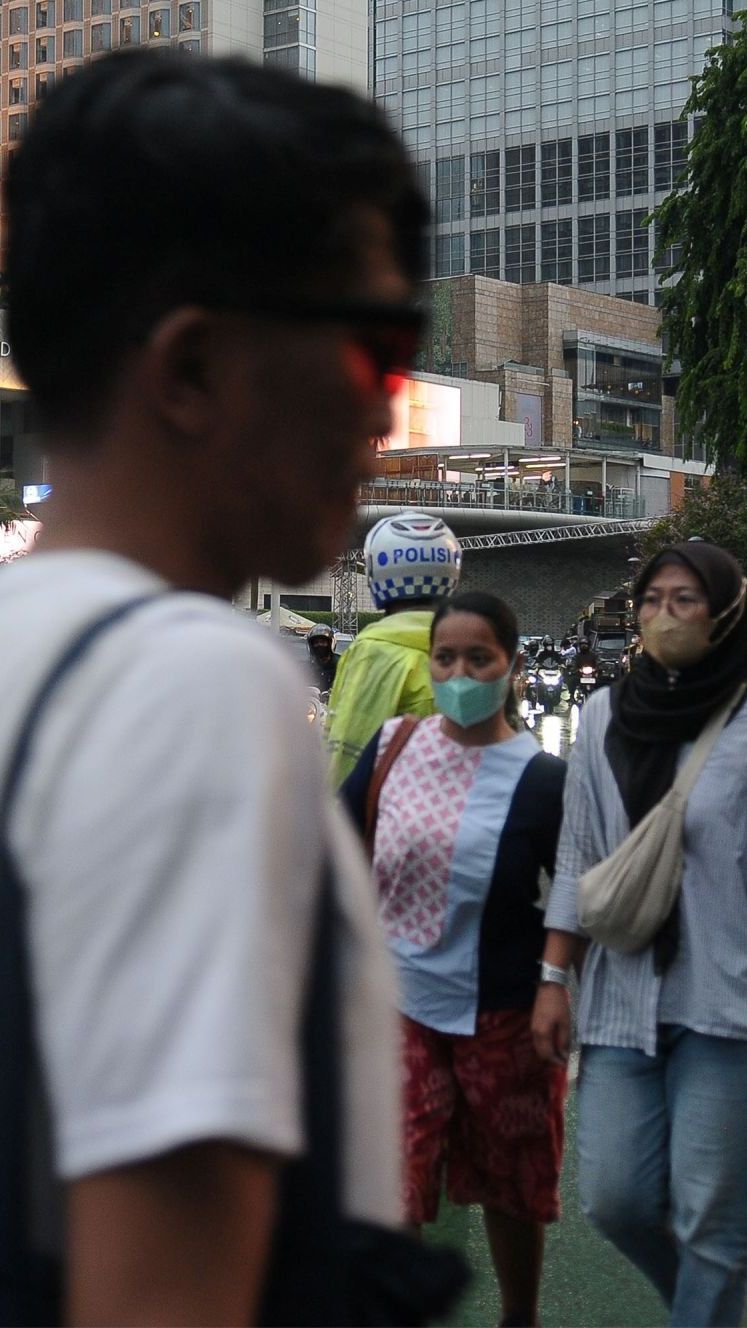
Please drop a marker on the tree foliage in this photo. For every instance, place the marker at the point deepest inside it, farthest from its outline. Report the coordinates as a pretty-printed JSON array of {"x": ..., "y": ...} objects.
[
  {"x": 717, "y": 513},
  {"x": 704, "y": 313}
]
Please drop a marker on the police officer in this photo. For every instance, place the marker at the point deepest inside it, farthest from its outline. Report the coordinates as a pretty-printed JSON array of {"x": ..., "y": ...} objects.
[{"x": 412, "y": 561}]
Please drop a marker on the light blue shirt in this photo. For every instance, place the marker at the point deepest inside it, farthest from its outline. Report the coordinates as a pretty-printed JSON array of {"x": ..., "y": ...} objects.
[
  {"x": 622, "y": 1000},
  {"x": 440, "y": 983}
]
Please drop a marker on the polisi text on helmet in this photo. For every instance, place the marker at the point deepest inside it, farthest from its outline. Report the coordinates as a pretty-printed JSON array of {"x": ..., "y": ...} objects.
[{"x": 426, "y": 555}]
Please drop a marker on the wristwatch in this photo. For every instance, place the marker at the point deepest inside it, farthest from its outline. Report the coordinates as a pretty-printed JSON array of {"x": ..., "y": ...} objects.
[{"x": 552, "y": 973}]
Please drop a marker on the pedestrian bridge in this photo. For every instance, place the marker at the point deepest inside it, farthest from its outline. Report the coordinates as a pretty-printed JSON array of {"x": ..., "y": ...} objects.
[{"x": 513, "y": 518}]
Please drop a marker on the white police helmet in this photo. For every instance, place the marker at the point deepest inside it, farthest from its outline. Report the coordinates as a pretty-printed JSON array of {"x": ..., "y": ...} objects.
[{"x": 411, "y": 556}]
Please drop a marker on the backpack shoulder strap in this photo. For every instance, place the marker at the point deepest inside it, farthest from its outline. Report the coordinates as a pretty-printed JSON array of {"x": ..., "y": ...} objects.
[
  {"x": 75, "y": 651},
  {"x": 30, "y": 1280}
]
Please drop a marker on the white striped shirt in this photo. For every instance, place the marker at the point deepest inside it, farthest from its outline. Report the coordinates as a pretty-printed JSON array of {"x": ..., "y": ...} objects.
[{"x": 705, "y": 989}]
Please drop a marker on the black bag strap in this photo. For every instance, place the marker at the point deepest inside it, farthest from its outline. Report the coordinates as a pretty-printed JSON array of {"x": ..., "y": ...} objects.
[
  {"x": 74, "y": 652},
  {"x": 306, "y": 1278},
  {"x": 30, "y": 1282}
]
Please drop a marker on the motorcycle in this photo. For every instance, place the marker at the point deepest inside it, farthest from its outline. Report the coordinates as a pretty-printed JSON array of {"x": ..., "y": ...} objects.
[
  {"x": 586, "y": 683},
  {"x": 316, "y": 708},
  {"x": 549, "y": 686}
]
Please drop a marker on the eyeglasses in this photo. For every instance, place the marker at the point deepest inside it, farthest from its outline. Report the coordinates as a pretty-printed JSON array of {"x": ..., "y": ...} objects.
[
  {"x": 682, "y": 604},
  {"x": 390, "y": 334}
]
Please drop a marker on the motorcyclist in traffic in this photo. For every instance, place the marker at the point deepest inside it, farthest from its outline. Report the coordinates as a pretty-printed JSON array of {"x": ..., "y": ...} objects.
[
  {"x": 548, "y": 655},
  {"x": 322, "y": 659},
  {"x": 412, "y": 562},
  {"x": 584, "y": 656}
]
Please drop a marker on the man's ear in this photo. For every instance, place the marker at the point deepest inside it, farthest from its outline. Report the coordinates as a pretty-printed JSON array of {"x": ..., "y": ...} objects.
[
  {"x": 519, "y": 662},
  {"x": 179, "y": 370}
]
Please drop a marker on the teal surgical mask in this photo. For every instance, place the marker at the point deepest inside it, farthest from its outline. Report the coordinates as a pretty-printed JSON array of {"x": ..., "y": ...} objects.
[{"x": 468, "y": 701}]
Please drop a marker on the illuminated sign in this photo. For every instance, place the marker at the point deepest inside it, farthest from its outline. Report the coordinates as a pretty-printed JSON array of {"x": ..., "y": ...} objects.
[
  {"x": 36, "y": 493},
  {"x": 18, "y": 538},
  {"x": 426, "y": 415}
]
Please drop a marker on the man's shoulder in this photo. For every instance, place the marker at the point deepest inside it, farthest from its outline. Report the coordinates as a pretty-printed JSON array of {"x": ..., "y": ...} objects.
[{"x": 192, "y": 644}]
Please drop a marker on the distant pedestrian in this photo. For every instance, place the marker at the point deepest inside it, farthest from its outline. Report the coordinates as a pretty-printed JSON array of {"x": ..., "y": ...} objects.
[
  {"x": 468, "y": 816},
  {"x": 663, "y": 1030}
]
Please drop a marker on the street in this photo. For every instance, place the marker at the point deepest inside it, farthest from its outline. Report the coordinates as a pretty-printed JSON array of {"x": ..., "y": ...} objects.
[{"x": 586, "y": 1283}]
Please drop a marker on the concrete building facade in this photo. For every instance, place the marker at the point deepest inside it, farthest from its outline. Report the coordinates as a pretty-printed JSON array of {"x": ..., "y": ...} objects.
[
  {"x": 545, "y": 130},
  {"x": 42, "y": 41}
]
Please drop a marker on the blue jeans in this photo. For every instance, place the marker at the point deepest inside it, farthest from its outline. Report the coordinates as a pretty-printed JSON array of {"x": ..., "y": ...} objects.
[{"x": 663, "y": 1167}]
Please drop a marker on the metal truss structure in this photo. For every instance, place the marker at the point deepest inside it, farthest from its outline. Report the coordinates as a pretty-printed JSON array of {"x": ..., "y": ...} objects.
[
  {"x": 345, "y": 591},
  {"x": 556, "y": 534},
  {"x": 503, "y": 539}
]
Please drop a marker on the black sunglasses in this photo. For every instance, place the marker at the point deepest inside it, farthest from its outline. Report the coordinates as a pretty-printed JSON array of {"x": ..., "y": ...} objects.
[{"x": 390, "y": 333}]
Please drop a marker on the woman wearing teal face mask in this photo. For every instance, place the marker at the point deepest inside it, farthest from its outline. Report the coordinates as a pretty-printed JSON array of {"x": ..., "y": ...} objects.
[{"x": 468, "y": 816}]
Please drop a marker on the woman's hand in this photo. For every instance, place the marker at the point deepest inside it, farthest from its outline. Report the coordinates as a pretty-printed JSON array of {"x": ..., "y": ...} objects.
[{"x": 551, "y": 1023}]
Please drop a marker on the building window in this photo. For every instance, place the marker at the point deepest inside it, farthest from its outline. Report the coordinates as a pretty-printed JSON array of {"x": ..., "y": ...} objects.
[
  {"x": 72, "y": 11},
  {"x": 100, "y": 7},
  {"x": 557, "y": 173},
  {"x": 593, "y": 248},
  {"x": 44, "y": 50},
  {"x": 17, "y": 92},
  {"x": 631, "y": 161},
  {"x": 72, "y": 44},
  {"x": 670, "y": 153},
  {"x": 45, "y": 14},
  {"x": 520, "y": 179},
  {"x": 191, "y": 47},
  {"x": 159, "y": 23},
  {"x": 521, "y": 258},
  {"x": 451, "y": 104},
  {"x": 17, "y": 126},
  {"x": 593, "y": 166},
  {"x": 557, "y": 251},
  {"x": 18, "y": 55},
  {"x": 129, "y": 31},
  {"x": 449, "y": 255},
  {"x": 44, "y": 84},
  {"x": 189, "y": 17},
  {"x": 450, "y": 189},
  {"x": 485, "y": 252},
  {"x": 101, "y": 37},
  {"x": 485, "y": 183},
  {"x": 18, "y": 22},
  {"x": 669, "y": 258},
  {"x": 631, "y": 244}
]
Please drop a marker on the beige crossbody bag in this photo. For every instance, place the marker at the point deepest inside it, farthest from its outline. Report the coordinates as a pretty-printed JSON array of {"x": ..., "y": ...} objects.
[{"x": 625, "y": 899}]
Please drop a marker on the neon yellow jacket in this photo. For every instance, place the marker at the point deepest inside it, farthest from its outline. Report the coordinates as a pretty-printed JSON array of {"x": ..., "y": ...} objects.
[{"x": 383, "y": 673}]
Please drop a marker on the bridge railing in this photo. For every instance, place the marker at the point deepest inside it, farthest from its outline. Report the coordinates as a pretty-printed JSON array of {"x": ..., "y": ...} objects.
[{"x": 427, "y": 493}]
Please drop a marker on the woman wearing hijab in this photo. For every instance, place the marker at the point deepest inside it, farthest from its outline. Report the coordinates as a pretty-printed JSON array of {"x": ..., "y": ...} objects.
[{"x": 662, "y": 1093}]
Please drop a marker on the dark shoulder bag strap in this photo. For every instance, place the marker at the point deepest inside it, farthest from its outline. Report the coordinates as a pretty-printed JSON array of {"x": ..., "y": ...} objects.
[
  {"x": 30, "y": 1281},
  {"x": 397, "y": 743}
]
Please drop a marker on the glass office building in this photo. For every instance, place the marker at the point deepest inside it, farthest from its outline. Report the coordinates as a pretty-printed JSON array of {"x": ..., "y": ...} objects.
[{"x": 545, "y": 130}]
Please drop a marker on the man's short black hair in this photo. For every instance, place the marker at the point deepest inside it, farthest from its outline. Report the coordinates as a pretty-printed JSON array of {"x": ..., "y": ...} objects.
[{"x": 151, "y": 180}]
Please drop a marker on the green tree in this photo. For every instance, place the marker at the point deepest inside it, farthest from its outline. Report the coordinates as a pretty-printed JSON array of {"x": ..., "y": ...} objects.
[
  {"x": 704, "y": 220},
  {"x": 717, "y": 513}
]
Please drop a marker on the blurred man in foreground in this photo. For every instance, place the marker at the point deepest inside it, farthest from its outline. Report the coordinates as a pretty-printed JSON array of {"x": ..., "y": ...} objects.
[{"x": 212, "y": 270}]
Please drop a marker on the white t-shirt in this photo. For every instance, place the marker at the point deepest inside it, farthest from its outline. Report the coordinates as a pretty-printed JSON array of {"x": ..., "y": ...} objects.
[{"x": 170, "y": 830}]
